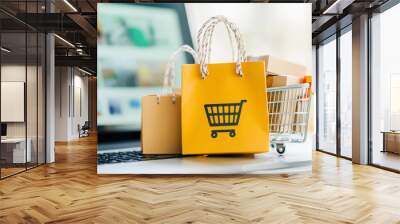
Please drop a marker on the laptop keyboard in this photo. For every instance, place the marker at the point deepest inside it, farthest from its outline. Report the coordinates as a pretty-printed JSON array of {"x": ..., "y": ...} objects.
[{"x": 129, "y": 156}]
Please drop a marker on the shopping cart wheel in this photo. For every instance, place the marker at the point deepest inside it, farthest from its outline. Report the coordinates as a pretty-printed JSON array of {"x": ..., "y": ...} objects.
[
  {"x": 214, "y": 134},
  {"x": 280, "y": 149},
  {"x": 232, "y": 133}
]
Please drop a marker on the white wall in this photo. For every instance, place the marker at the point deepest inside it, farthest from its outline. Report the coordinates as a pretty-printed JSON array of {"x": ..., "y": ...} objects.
[
  {"x": 34, "y": 125},
  {"x": 281, "y": 30},
  {"x": 70, "y": 83},
  {"x": 81, "y": 94},
  {"x": 12, "y": 73},
  {"x": 61, "y": 103}
]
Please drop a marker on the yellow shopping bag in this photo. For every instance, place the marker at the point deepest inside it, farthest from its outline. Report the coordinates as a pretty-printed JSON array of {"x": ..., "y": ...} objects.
[{"x": 224, "y": 105}]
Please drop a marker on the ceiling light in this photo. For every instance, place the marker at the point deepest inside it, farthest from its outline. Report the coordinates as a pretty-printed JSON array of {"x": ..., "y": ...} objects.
[
  {"x": 70, "y": 5},
  {"x": 79, "y": 51},
  {"x": 328, "y": 10},
  {"x": 65, "y": 41},
  {"x": 5, "y": 50},
  {"x": 338, "y": 6},
  {"x": 84, "y": 71}
]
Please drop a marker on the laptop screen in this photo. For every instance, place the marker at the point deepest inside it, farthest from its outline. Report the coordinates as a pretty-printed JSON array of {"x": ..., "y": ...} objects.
[{"x": 135, "y": 42}]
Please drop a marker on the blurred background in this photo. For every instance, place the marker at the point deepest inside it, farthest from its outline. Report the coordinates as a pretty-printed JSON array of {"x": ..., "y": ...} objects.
[{"x": 134, "y": 44}]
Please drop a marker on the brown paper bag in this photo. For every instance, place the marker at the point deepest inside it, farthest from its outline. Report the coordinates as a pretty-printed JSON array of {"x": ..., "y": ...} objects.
[
  {"x": 161, "y": 124},
  {"x": 161, "y": 114}
]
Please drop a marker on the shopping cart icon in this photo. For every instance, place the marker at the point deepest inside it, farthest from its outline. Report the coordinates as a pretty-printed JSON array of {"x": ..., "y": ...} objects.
[{"x": 223, "y": 115}]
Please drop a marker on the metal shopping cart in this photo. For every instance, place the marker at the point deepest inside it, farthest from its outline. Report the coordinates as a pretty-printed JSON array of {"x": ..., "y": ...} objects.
[
  {"x": 223, "y": 115},
  {"x": 289, "y": 109}
]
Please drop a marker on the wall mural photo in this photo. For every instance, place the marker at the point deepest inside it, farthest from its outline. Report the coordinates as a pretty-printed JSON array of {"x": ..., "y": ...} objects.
[{"x": 197, "y": 89}]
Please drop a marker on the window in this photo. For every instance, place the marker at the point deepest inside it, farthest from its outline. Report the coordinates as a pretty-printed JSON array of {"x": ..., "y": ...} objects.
[
  {"x": 327, "y": 97},
  {"x": 385, "y": 89},
  {"x": 394, "y": 102},
  {"x": 346, "y": 93}
]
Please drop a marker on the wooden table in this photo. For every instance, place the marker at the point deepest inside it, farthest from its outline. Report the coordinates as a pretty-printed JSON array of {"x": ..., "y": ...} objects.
[{"x": 391, "y": 141}]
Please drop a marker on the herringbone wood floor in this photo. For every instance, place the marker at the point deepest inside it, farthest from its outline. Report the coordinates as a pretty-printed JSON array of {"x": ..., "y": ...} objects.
[{"x": 70, "y": 191}]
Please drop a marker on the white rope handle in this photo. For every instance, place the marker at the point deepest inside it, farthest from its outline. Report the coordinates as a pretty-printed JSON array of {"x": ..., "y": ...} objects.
[
  {"x": 201, "y": 32},
  {"x": 231, "y": 28},
  {"x": 169, "y": 75},
  {"x": 204, "y": 39},
  {"x": 208, "y": 40}
]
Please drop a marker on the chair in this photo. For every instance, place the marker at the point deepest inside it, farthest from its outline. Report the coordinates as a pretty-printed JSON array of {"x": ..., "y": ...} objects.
[{"x": 84, "y": 130}]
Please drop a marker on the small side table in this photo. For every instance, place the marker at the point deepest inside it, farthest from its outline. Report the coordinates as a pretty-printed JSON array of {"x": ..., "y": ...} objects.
[
  {"x": 19, "y": 154},
  {"x": 391, "y": 141}
]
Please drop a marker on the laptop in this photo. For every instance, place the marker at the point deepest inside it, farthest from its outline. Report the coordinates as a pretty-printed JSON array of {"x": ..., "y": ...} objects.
[{"x": 127, "y": 75}]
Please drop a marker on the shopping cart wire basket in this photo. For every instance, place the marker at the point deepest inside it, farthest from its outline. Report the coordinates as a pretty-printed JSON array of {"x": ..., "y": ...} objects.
[
  {"x": 289, "y": 109},
  {"x": 224, "y": 115}
]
